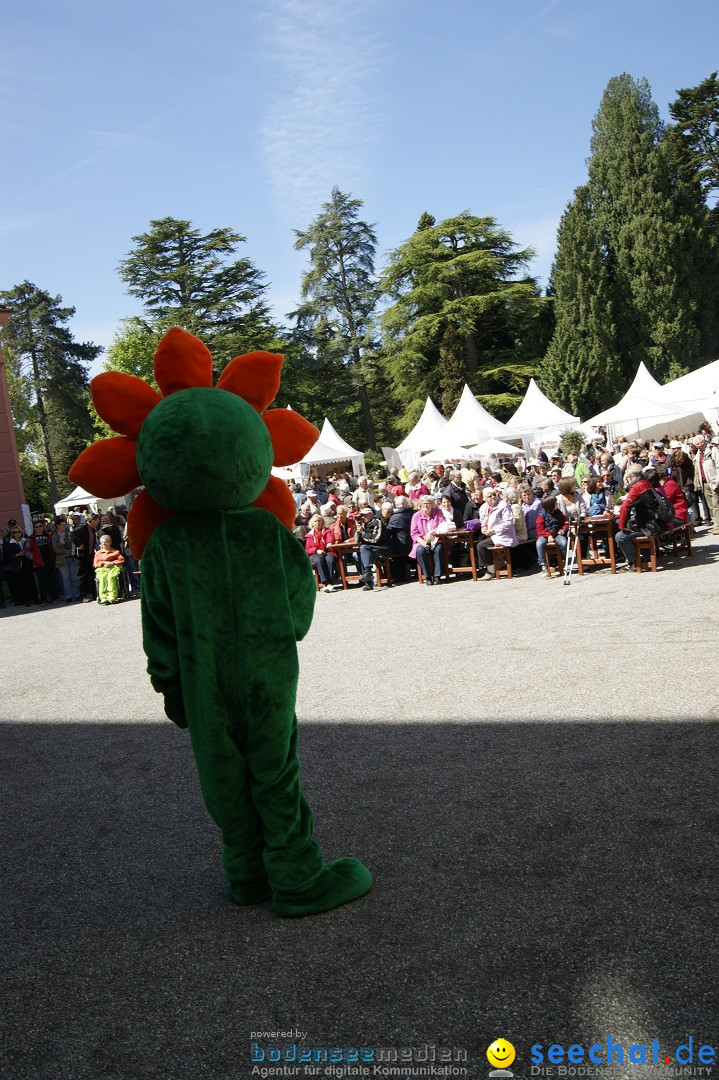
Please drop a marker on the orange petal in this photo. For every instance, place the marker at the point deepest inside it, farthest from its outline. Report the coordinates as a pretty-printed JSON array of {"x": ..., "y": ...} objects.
[
  {"x": 123, "y": 401},
  {"x": 292, "y": 436},
  {"x": 277, "y": 499},
  {"x": 107, "y": 468},
  {"x": 254, "y": 377},
  {"x": 143, "y": 519},
  {"x": 182, "y": 361}
]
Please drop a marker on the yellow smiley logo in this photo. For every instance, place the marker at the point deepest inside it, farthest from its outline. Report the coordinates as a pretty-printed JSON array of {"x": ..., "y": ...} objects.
[{"x": 500, "y": 1053}]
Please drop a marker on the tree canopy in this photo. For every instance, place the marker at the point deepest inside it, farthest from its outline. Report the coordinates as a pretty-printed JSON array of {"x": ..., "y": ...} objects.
[
  {"x": 49, "y": 381},
  {"x": 461, "y": 313}
]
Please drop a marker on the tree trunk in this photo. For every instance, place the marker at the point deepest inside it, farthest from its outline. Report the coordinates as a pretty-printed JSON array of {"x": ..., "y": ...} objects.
[{"x": 49, "y": 466}]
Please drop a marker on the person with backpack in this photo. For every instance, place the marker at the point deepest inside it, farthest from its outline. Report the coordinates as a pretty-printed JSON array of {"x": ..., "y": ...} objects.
[{"x": 646, "y": 511}]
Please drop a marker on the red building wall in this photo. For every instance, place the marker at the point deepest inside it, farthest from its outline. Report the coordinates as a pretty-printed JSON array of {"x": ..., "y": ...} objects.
[{"x": 12, "y": 495}]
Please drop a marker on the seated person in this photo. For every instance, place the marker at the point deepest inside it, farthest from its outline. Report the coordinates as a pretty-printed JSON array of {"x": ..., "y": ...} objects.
[
  {"x": 399, "y": 526},
  {"x": 496, "y": 523},
  {"x": 511, "y": 496},
  {"x": 108, "y": 567},
  {"x": 551, "y": 522},
  {"x": 318, "y": 542},
  {"x": 594, "y": 496},
  {"x": 375, "y": 539},
  {"x": 426, "y": 547},
  {"x": 675, "y": 495},
  {"x": 635, "y": 512},
  {"x": 531, "y": 505},
  {"x": 476, "y": 499},
  {"x": 456, "y": 491}
]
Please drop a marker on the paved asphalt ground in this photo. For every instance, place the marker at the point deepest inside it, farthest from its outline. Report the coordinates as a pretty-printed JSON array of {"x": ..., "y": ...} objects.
[{"x": 528, "y": 769}]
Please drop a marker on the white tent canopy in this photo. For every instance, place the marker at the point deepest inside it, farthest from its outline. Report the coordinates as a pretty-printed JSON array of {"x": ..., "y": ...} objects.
[
  {"x": 445, "y": 453},
  {"x": 493, "y": 448},
  {"x": 642, "y": 412},
  {"x": 698, "y": 389},
  {"x": 80, "y": 497},
  {"x": 427, "y": 431},
  {"x": 324, "y": 454},
  {"x": 329, "y": 437},
  {"x": 471, "y": 423},
  {"x": 537, "y": 412}
]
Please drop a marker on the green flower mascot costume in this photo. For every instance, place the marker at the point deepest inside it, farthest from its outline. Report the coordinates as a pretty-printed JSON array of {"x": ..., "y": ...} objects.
[{"x": 227, "y": 591}]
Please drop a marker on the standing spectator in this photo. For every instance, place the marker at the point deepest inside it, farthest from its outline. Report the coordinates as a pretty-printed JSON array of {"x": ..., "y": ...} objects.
[
  {"x": 18, "y": 565},
  {"x": 43, "y": 561},
  {"x": 65, "y": 561},
  {"x": 84, "y": 536},
  {"x": 706, "y": 475}
]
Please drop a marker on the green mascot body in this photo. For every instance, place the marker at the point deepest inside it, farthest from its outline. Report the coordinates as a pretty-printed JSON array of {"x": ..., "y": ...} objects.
[{"x": 227, "y": 591}]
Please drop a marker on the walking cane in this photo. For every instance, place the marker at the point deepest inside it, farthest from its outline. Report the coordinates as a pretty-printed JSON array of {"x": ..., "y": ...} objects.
[{"x": 569, "y": 564}]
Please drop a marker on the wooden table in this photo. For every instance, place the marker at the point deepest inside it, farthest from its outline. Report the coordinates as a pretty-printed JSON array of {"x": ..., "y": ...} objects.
[
  {"x": 460, "y": 536},
  {"x": 351, "y": 547},
  {"x": 600, "y": 528}
]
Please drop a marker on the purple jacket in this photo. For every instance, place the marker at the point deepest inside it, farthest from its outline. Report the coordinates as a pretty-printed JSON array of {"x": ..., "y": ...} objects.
[
  {"x": 501, "y": 519},
  {"x": 530, "y": 512},
  {"x": 420, "y": 525}
]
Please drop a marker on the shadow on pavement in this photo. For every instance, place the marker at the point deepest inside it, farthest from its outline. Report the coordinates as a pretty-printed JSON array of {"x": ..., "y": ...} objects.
[{"x": 543, "y": 883}]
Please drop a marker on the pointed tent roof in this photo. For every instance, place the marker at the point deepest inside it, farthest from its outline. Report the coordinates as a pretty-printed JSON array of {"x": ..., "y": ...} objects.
[
  {"x": 643, "y": 411},
  {"x": 537, "y": 412},
  {"x": 698, "y": 386},
  {"x": 427, "y": 431},
  {"x": 329, "y": 437},
  {"x": 470, "y": 423}
]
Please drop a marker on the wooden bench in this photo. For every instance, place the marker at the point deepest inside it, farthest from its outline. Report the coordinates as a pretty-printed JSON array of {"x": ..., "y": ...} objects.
[
  {"x": 502, "y": 554},
  {"x": 650, "y": 545}
]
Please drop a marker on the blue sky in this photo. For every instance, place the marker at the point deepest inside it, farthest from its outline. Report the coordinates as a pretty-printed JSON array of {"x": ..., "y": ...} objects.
[{"x": 246, "y": 114}]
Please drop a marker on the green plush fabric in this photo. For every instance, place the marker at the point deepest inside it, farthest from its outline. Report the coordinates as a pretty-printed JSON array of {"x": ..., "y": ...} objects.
[{"x": 226, "y": 594}]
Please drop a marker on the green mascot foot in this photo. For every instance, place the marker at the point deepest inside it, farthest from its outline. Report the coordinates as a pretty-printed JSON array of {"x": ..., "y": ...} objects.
[
  {"x": 339, "y": 882},
  {"x": 245, "y": 893}
]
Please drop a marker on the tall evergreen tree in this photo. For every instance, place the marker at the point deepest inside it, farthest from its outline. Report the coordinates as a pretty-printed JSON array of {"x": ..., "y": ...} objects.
[
  {"x": 190, "y": 279},
  {"x": 636, "y": 246},
  {"x": 50, "y": 373},
  {"x": 339, "y": 298},
  {"x": 461, "y": 314},
  {"x": 584, "y": 340},
  {"x": 696, "y": 114}
]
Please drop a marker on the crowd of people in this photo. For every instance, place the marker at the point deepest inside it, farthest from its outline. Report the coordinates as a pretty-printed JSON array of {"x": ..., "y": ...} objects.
[
  {"x": 80, "y": 557},
  {"x": 524, "y": 504},
  {"x": 408, "y": 517}
]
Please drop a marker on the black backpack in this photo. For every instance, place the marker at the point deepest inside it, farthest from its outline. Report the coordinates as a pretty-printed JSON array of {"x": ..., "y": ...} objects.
[{"x": 652, "y": 513}]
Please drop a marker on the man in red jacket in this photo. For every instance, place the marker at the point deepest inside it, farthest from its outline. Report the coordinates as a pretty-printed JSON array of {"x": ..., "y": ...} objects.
[{"x": 630, "y": 516}]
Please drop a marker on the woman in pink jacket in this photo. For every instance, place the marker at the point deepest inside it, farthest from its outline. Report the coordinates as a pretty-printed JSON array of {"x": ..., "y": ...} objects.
[
  {"x": 317, "y": 546},
  {"x": 426, "y": 547},
  {"x": 496, "y": 521}
]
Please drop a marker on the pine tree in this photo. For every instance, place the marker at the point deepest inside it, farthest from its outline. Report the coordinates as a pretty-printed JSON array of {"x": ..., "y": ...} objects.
[
  {"x": 696, "y": 114},
  {"x": 582, "y": 367},
  {"x": 50, "y": 373},
  {"x": 339, "y": 294},
  {"x": 190, "y": 279},
  {"x": 461, "y": 314},
  {"x": 635, "y": 261}
]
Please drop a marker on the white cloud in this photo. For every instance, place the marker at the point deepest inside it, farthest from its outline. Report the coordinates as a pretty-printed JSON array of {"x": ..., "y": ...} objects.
[{"x": 324, "y": 120}]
